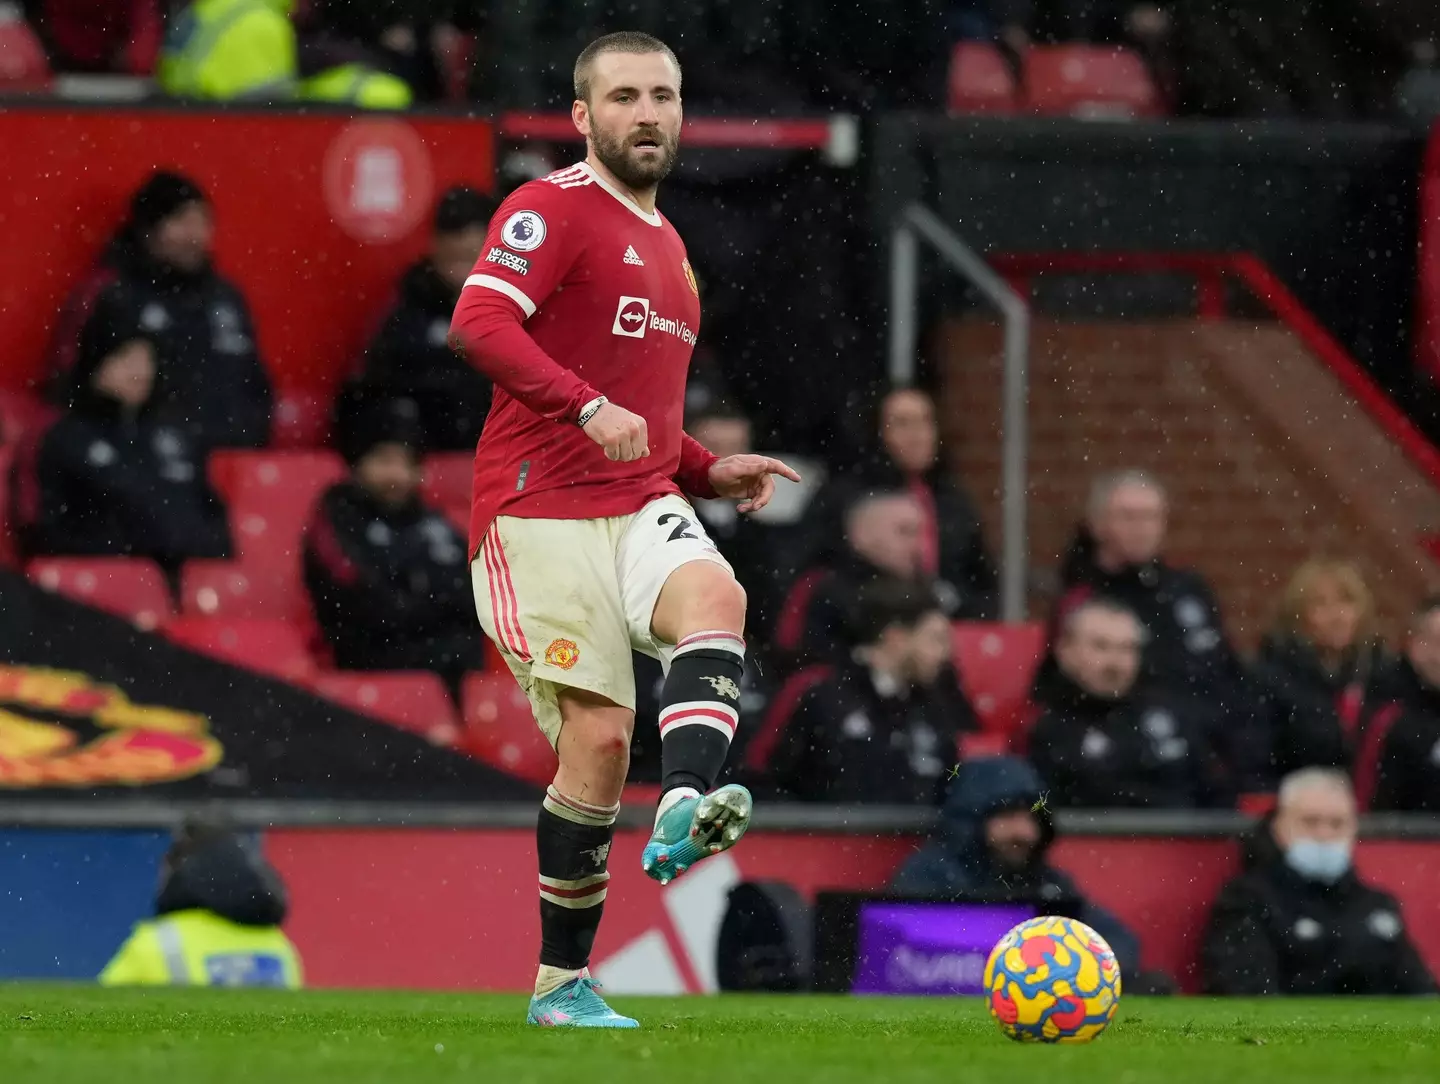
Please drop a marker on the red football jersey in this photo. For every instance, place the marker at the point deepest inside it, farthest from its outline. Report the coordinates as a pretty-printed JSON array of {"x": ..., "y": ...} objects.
[{"x": 609, "y": 306}]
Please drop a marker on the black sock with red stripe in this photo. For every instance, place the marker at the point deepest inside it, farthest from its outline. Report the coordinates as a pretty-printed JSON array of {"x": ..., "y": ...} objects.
[
  {"x": 573, "y": 841},
  {"x": 699, "y": 709}
]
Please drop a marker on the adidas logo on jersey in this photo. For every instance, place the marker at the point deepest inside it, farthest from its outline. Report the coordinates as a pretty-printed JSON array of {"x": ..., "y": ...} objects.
[{"x": 633, "y": 257}]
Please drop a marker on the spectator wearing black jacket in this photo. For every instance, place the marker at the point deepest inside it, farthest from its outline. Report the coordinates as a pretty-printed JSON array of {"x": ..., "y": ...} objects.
[
  {"x": 1408, "y": 750},
  {"x": 411, "y": 357},
  {"x": 883, "y": 725},
  {"x": 211, "y": 379},
  {"x": 388, "y": 575},
  {"x": 1299, "y": 920},
  {"x": 1099, "y": 741},
  {"x": 1322, "y": 671},
  {"x": 114, "y": 476},
  {"x": 907, "y": 460}
]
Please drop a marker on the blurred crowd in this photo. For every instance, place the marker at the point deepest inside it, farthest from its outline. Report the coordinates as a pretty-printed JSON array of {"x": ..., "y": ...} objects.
[{"x": 1324, "y": 58}]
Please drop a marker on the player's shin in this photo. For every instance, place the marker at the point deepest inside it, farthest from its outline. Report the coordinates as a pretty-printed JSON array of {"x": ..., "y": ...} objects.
[
  {"x": 573, "y": 840},
  {"x": 699, "y": 710}
]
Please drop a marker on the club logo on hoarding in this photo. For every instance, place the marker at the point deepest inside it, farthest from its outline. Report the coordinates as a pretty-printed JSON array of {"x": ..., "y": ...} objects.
[{"x": 49, "y": 721}]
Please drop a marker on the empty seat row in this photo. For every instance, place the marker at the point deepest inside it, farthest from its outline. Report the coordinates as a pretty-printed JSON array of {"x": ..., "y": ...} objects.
[{"x": 1055, "y": 80}]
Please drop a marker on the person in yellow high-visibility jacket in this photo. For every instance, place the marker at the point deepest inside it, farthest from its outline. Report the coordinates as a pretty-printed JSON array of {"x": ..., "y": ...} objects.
[
  {"x": 224, "y": 50},
  {"x": 217, "y": 923}
]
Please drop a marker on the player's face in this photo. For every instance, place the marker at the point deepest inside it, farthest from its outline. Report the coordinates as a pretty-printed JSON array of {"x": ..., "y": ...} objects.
[
  {"x": 633, "y": 116},
  {"x": 183, "y": 240},
  {"x": 454, "y": 255},
  {"x": 1132, "y": 525},
  {"x": 390, "y": 472},
  {"x": 907, "y": 426},
  {"x": 1101, "y": 652}
]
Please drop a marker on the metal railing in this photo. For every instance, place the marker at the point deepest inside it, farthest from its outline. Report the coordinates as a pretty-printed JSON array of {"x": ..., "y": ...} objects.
[{"x": 917, "y": 223}]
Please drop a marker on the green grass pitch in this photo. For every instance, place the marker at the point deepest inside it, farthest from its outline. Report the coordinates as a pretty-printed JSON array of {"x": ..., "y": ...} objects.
[{"x": 70, "y": 1035}]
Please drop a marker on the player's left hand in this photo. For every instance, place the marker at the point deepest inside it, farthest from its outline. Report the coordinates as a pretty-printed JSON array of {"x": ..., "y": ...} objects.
[{"x": 749, "y": 479}]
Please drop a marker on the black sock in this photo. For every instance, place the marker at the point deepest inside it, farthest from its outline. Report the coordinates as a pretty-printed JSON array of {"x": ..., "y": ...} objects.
[
  {"x": 699, "y": 709},
  {"x": 573, "y": 841}
]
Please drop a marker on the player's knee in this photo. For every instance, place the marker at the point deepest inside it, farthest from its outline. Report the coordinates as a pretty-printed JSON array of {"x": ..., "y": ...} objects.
[{"x": 720, "y": 604}]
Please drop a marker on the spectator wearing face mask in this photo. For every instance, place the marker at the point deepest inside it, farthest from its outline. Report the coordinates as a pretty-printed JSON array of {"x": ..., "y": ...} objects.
[
  {"x": 1403, "y": 772},
  {"x": 1299, "y": 920},
  {"x": 1099, "y": 741},
  {"x": 882, "y": 725}
]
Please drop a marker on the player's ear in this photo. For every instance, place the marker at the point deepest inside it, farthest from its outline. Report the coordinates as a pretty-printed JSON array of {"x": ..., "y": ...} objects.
[{"x": 580, "y": 115}]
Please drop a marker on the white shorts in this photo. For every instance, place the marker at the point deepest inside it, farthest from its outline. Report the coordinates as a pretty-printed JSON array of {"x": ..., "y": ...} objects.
[{"x": 566, "y": 600}]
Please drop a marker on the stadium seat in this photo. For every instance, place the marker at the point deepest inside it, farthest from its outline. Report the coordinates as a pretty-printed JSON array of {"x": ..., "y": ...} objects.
[
  {"x": 20, "y": 413},
  {"x": 501, "y": 731},
  {"x": 270, "y": 496},
  {"x": 413, "y": 701},
  {"x": 1089, "y": 81},
  {"x": 447, "y": 479},
  {"x": 997, "y": 664},
  {"x": 981, "y": 80},
  {"x": 274, "y": 648},
  {"x": 226, "y": 589},
  {"x": 23, "y": 65},
  {"x": 129, "y": 587},
  {"x": 301, "y": 421}
]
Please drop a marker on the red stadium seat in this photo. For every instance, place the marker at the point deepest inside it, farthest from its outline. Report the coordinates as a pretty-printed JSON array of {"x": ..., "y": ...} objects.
[
  {"x": 1089, "y": 80},
  {"x": 501, "y": 731},
  {"x": 226, "y": 589},
  {"x": 447, "y": 479},
  {"x": 301, "y": 421},
  {"x": 21, "y": 413},
  {"x": 981, "y": 80},
  {"x": 413, "y": 701},
  {"x": 997, "y": 664},
  {"x": 23, "y": 66},
  {"x": 274, "y": 648},
  {"x": 270, "y": 496},
  {"x": 129, "y": 587}
]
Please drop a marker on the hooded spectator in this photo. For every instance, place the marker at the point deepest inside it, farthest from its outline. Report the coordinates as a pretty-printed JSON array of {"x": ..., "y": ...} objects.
[
  {"x": 411, "y": 357},
  {"x": 1407, "y": 733},
  {"x": 993, "y": 838},
  {"x": 211, "y": 378},
  {"x": 217, "y": 920},
  {"x": 1100, "y": 742},
  {"x": 1322, "y": 671},
  {"x": 113, "y": 475},
  {"x": 389, "y": 575},
  {"x": 882, "y": 726},
  {"x": 907, "y": 460},
  {"x": 1299, "y": 920}
]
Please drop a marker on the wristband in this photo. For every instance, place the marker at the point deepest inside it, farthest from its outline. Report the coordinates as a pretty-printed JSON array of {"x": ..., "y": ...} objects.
[{"x": 590, "y": 409}]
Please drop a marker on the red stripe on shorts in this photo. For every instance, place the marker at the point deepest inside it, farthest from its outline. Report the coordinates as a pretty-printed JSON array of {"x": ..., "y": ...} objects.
[
  {"x": 509, "y": 591},
  {"x": 499, "y": 607}
]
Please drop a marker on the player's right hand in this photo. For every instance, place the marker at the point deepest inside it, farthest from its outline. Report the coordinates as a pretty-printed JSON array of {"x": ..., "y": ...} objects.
[{"x": 623, "y": 435}]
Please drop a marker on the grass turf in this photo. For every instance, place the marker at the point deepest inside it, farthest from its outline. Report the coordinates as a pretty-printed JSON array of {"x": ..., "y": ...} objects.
[{"x": 70, "y": 1035}]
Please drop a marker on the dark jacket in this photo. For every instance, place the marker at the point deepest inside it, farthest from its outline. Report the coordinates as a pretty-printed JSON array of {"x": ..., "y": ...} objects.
[
  {"x": 229, "y": 879},
  {"x": 1316, "y": 717},
  {"x": 956, "y": 860},
  {"x": 211, "y": 377},
  {"x": 411, "y": 358},
  {"x": 1271, "y": 931},
  {"x": 1408, "y": 776},
  {"x": 855, "y": 739},
  {"x": 1142, "y": 750},
  {"x": 391, "y": 586}
]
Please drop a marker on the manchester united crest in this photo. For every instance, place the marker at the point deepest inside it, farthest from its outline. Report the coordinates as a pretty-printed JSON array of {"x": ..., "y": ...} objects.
[
  {"x": 690, "y": 277},
  {"x": 562, "y": 653}
]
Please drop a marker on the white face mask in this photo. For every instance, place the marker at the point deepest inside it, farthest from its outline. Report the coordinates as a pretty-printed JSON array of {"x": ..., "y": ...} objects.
[{"x": 1316, "y": 860}]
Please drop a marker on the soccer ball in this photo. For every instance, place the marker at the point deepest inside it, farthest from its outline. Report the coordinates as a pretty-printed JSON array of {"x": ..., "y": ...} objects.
[{"x": 1052, "y": 980}]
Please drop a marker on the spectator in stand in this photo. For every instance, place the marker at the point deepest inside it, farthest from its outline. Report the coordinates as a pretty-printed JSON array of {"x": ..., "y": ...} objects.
[
  {"x": 883, "y": 725},
  {"x": 1322, "y": 671},
  {"x": 411, "y": 357},
  {"x": 388, "y": 575},
  {"x": 907, "y": 459},
  {"x": 211, "y": 379},
  {"x": 882, "y": 539},
  {"x": 408, "y": 38},
  {"x": 114, "y": 476},
  {"x": 1407, "y": 775},
  {"x": 1099, "y": 741},
  {"x": 1299, "y": 920},
  {"x": 993, "y": 837},
  {"x": 120, "y": 36}
]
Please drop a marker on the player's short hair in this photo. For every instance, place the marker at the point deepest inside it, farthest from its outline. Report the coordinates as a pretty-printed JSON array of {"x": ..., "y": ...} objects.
[
  {"x": 624, "y": 41},
  {"x": 460, "y": 208},
  {"x": 1103, "y": 487},
  {"x": 886, "y": 603}
]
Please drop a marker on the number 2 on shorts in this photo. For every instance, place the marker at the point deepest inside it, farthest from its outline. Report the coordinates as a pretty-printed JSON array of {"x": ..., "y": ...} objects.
[{"x": 681, "y": 531}]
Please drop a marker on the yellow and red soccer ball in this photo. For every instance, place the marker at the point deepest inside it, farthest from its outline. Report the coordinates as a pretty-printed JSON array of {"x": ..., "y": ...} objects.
[{"x": 1052, "y": 980}]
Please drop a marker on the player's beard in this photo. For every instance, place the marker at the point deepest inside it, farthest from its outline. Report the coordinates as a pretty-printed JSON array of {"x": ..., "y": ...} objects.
[{"x": 617, "y": 153}]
